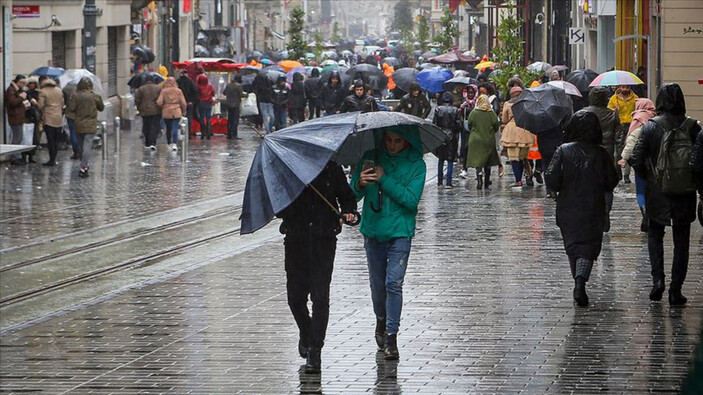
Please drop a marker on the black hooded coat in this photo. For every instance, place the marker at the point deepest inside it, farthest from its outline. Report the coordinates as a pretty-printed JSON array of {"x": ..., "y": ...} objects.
[
  {"x": 297, "y": 92},
  {"x": 332, "y": 95},
  {"x": 313, "y": 86},
  {"x": 581, "y": 172}
]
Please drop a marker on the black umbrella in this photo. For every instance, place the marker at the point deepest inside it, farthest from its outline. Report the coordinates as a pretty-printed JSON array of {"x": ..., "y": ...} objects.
[
  {"x": 143, "y": 53},
  {"x": 391, "y": 61},
  {"x": 139, "y": 79},
  {"x": 365, "y": 69},
  {"x": 450, "y": 84},
  {"x": 542, "y": 108},
  {"x": 378, "y": 83},
  {"x": 272, "y": 73},
  {"x": 201, "y": 52},
  {"x": 429, "y": 55},
  {"x": 248, "y": 81},
  {"x": 582, "y": 78},
  {"x": 287, "y": 161},
  {"x": 404, "y": 77}
]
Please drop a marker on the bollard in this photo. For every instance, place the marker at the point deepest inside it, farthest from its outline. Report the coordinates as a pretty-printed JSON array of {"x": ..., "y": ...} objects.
[
  {"x": 117, "y": 123},
  {"x": 101, "y": 131},
  {"x": 185, "y": 136}
]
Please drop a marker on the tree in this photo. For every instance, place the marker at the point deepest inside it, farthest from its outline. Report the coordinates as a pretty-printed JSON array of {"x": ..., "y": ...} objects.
[
  {"x": 509, "y": 54},
  {"x": 423, "y": 34},
  {"x": 403, "y": 20},
  {"x": 297, "y": 47},
  {"x": 336, "y": 37},
  {"x": 449, "y": 32},
  {"x": 317, "y": 50}
]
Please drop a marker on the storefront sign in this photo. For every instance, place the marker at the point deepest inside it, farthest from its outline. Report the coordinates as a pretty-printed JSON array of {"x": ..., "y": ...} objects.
[
  {"x": 577, "y": 35},
  {"x": 25, "y": 11}
]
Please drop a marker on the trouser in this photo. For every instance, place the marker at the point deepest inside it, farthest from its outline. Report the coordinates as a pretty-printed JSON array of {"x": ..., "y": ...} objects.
[
  {"x": 518, "y": 167},
  {"x": 267, "y": 115},
  {"x": 17, "y": 131},
  {"x": 655, "y": 243},
  {"x": 190, "y": 114},
  {"x": 463, "y": 148},
  {"x": 232, "y": 122},
  {"x": 314, "y": 108},
  {"x": 297, "y": 114},
  {"x": 485, "y": 172},
  {"x": 620, "y": 139},
  {"x": 172, "y": 130},
  {"x": 309, "y": 262},
  {"x": 52, "y": 142},
  {"x": 440, "y": 171},
  {"x": 387, "y": 262},
  {"x": 86, "y": 143},
  {"x": 204, "y": 117},
  {"x": 280, "y": 117},
  {"x": 546, "y": 160},
  {"x": 74, "y": 137},
  {"x": 150, "y": 129}
]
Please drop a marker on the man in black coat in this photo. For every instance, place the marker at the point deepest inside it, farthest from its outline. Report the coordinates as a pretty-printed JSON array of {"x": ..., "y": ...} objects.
[
  {"x": 190, "y": 92},
  {"x": 677, "y": 211},
  {"x": 359, "y": 101},
  {"x": 415, "y": 103},
  {"x": 313, "y": 90},
  {"x": 332, "y": 94},
  {"x": 311, "y": 228},
  {"x": 234, "y": 94}
]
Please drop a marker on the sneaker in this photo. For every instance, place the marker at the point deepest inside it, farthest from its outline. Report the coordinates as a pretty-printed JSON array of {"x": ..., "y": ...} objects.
[
  {"x": 147, "y": 147},
  {"x": 538, "y": 177},
  {"x": 174, "y": 147},
  {"x": 464, "y": 174},
  {"x": 449, "y": 186},
  {"x": 152, "y": 147}
]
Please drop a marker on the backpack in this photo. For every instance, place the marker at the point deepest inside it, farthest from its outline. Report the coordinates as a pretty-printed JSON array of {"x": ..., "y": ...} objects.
[{"x": 673, "y": 173}]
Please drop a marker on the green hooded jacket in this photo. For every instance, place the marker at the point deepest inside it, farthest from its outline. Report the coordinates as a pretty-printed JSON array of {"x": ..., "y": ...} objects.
[{"x": 401, "y": 188}]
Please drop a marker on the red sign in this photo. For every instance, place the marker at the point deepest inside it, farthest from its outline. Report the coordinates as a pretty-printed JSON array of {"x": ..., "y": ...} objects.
[{"x": 25, "y": 11}]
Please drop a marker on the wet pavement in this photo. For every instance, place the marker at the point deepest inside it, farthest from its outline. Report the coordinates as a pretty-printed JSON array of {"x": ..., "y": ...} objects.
[{"x": 487, "y": 304}]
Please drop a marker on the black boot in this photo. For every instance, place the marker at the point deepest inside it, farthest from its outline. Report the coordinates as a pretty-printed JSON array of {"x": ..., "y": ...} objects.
[
  {"x": 380, "y": 333},
  {"x": 583, "y": 272},
  {"x": 391, "y": 351},
  {"x": 644, "y": 226},
  {"x": 303, "y": 345},
  {"x": 487, "y": 180},
  {"x": 676, "y": 298},
  {"x": 479, "y": 182},
  {"x": 657, "y": 291},
  {"x": 313, "y": 363}
]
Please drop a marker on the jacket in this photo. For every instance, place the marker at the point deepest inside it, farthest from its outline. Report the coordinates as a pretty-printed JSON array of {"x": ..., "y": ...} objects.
[
  {"x": 353, "y": 103},
  {"x": 15, "y": 105},
  {"x": 280, "y": 95},
  {"x": 51, "y": 103},
  {"x": 263, "y": 89},
  {"x": 697, "y": 160},
  {"x": 206, "y": 93},
  {"x": 297, "y": 92},
  {"x": 313, "y": 88},
  {"x": 145, "y": 99},
  {"x": 609, "y": 120},
  {"x": 630, "y": 143},
  {"x": 171, "y": 100},
  {"x": 234, "y": 94},
  {"x": 332, "y": 95},
  {"x": 447, "y": 117},
  {"x": 625, "y": 107},
  {"x": 400, "y": 189},
  {"x": 418, "y": 105},
  {"x": 513, "y": 135},
  {"x": 187, "y": 86},
  {"x": 85, "y": 104},
  {"x": 310, "y": 215},
  {"x": 68, "y": 91}
]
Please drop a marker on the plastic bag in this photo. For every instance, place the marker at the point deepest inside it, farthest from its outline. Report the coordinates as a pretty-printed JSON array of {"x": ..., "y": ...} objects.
[
  {"x": 28, "y": 134},
  {"x": 248, "y": 106}
]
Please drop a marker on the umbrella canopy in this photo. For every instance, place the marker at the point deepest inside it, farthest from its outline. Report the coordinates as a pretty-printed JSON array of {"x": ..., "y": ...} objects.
[
  {"x": 615, "y": 78},
  {"x": 251, "y": 68},
  {"x": 452, "y": 58},
  {"x": 139, "y": 79},
  {"x": 559, "y": 68},
  {"x": 291, "y": 73},
  {"x": 404, "y": 77},
  {"x": 366, "y": 70},
  {"x": 266, "y": 61},
  {"x": 329, "y": 62},
  {"x": 538, "y": 67},
  {"x": 469, "y": 54},
  {"x": 427, "y": 66},
  {"x": 248, "y": 81},
  {"x": 288, "y": 65},
  {"x": 330, "y": 55},
  {"x": 582, "y": 78},
  {"x": 461, "y": 73},
  {"x": 72, "y": 76},
  {"x": 272, "y": 73},
  {"x": 451, "y": 83},
  {"x": 289, "y": 160},
  {"x": 391, "y": 61},
  {"x": 429, "y": 55},
  {"x": 145, "y": 55},
  {"x": 347, "y": 53},
  {"x": 47, "y": 71},
  {"x": 483, "y": 65},
  {"x": 432, "y": 80},
  {"x": 377, "y": 83},
  {"x": 542, "y": 108},
  {"x": 201, "y": 51},
  {"x": 568, "y": 87}
]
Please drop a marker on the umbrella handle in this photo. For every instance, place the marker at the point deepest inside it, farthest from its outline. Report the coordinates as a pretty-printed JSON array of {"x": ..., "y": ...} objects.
[
  {"x": 380, "y": 202},
  {"x": 357, "y": 219}
]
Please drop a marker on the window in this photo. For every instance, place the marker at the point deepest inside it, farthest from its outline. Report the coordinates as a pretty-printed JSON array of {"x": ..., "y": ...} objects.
[{"x": 58, "y": 51}]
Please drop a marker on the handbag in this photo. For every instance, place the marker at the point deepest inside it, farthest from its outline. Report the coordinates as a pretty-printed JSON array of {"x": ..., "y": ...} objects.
[{"x": 248, "y": 106}]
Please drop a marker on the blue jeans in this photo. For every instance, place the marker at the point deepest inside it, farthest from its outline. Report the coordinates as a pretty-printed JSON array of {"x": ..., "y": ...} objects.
[
  {"x": 640, "y": 186},
  {"x": 74, "y": 138},
  {"x": 440, "y": 171},
  {"x": 387, "y": 262},
  {"x": 280, "y": 117},
  {"x": 172, "y": 130},
  {"x": 204, "y": 116},
  {"x": 267, "y": 115}
]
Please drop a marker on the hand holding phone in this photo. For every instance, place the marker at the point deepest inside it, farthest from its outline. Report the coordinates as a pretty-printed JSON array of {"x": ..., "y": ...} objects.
[{"x": 368, "y": 174}]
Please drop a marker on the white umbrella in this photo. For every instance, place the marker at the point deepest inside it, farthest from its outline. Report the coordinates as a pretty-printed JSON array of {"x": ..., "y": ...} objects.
[
  {"x": 568, "y": 87},
  {"x": 72, "y": 76}
]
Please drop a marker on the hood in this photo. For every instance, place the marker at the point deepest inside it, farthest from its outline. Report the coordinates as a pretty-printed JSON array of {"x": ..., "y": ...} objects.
[
  {"x": 670, "y": 100},
  {"x": 163, "y": 71},
  {"x": 598, "y": 97},
  {"x": 297, "y": 77},
  {"x": 48, "y": 82},
  {"x": 315, "y": 72},
  {"x": 584, "y": 127},
  {"x": 334, "y": 74},
  {"x": 644, "y": 110},
  {"x": 202, "y": 79},
  {"x": 410, "y": 133},
  {"x": 446, "y": 98},
  {"x": 85, "y": 84},
  {"x": 170, "y": 83}
]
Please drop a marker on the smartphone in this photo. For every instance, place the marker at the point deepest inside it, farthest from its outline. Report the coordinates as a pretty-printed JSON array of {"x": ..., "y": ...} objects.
[{"x": 368, "y": 164}]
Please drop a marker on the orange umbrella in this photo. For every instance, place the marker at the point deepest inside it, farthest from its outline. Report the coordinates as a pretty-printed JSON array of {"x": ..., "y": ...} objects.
[
  {"x": 288, "y": 65},
  {"x": 483, "y": 65}
]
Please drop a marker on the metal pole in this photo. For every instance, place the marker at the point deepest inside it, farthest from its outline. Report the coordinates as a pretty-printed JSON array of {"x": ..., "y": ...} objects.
[
  {"x": 117, "y": 124},
  {"x": 102, "y": 126},
  {"x": 90, "y": 13},
  {"x": 184, "y": 140}
]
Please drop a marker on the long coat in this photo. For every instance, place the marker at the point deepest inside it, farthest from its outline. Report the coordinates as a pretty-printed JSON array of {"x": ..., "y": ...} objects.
[
  {"x": 15, "y": 105},
  {"x": 581, "y": 173},
  {"x": 85, "y": 104},
  {"x": 51, "y": 103},
  {"x": 171, "y": 100},
  {"x": 513, "y": 135},
  {"x": 482, "y": 142}
]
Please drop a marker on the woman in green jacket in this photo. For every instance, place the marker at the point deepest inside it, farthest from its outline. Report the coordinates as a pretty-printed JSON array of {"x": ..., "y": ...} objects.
[
  {"x": 85, "y": 104},
  {"x": 482, "y": 147},
  {"x": 391, "y": 187}
]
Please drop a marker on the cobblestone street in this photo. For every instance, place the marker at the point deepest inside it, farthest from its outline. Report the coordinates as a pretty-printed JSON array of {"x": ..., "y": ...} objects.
[{"x": 487, "y": 296}]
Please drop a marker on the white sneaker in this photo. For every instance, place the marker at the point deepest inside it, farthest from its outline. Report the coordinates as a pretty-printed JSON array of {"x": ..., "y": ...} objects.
[
  {"x": 464, "y": 174},
  {"x": 152, "y": 147},
  {"x": 174, "y": 147}
]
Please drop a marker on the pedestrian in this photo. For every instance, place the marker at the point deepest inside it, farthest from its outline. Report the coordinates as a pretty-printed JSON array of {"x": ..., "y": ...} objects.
[
  {"x": 482, "y": 152},
  {"x": 313, "y": 90},
  {"x": 609, "y": 124},
  {"x": 190, "y": 92},
  {"x": 68, "y": 91},
  {"x": 51, "y": 105},
  {"x": 390, "y": 179},
  {"x": 332, "y": 94},
  {"x": 470, "y": 95},
  {"x": 644, "y": 111},
  {"x": 581, "y": 172},
  {"x": 145, "y": 99},
  {"x": 264, "y": 94},
  {"x": 85, "y": 104},
  {"x": 234, "y": 94},
  {"x": 173, "y": 105},
  {"x": 555, "y": 76},
  {"x": 674, "y": 205},
  {"x": 311, "y": 228},
  {"x": 33, "y": 116},
  {"x": 516, "y": 139},
  {"x": 547, "y": 142},
  {"x": 297, "y": 98},
  {"x": 280, "y": 98},
  {"x": 414, "y": 102},
  {"x": 206, "y": 98},
  {"x": 17, "y": 104},
  {"x": 359, "y": 101},
  {"x": 446, "y": 116},
  {"x": 623, "y": 103}
]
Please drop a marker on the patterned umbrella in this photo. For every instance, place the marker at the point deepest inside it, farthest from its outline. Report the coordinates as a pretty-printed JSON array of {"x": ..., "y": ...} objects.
[{"x": 615, "y": 78}]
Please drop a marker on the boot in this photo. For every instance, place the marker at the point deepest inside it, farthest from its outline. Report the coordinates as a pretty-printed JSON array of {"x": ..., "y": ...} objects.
[
  {"x": 391, "y": 351},
  {"x": 644, "y": 226},
  {"x": 676, "y": 298},
  {"x": 303, "y": 346},
  {"x": 657, "y": 291},
  {"x": 487, "y": 180},
  {"x": 313, "y": 363},
  {"x": 380, "y": 333},
  {"x": 583, "y": 273},
  {"x": 479, "y": 182}
]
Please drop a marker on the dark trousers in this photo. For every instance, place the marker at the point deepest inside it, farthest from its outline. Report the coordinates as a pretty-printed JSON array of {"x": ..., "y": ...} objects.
[
  {"x": 309, "y": 262},
  {"x": 314, "y": 108},
  {"x": 52, "y": 140},
  {"x": 190, "y": 114},
  {"x": 655, "y": 242},
  {"x": 150, "y": 128},
  {"x": 297, "y": 114},
  {"x": 232, "y": 122}
]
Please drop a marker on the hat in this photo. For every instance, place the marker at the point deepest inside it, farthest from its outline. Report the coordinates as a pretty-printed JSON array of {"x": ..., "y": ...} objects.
[
  {"x": 33, "y": 80},
  {"x": 358, "y": 84}
]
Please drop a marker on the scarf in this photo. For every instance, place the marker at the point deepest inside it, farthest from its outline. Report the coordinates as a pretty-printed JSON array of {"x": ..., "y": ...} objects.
[
  {"x": 483, "y": 104},
  {"x": 644, "y": 111}
]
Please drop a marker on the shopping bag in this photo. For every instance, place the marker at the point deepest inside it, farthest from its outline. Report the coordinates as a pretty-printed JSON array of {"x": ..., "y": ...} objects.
[
  {"x": 28, "y": 134},
  {"x": 248, "y": 106},
  {"x": 216, "y": 109}
]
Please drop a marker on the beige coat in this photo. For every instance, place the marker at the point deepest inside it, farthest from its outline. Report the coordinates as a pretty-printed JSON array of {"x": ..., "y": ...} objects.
[
  {"x": 171, "y": 100},
  {"x": 51, "y": 103},
  {"x": 514, "y": 136}
]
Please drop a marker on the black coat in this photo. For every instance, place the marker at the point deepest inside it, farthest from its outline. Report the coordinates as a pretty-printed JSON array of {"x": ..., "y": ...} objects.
[
  {"x": 313, "y": 88},
  {"x": 297, "y": 95},
  {"x": 661, "y": 208},
  {"x": 364, "y": 103},
  {"x": 581, "y": 173},
  {"x": 548, "y": 140},
  {"x": 418, "y": 106},
  {"x": 280, "y": 96},
  {"x": 447, "y": 118},
  {"x": 187, "y": 86},
  {"x": 697, "y": 161},
  {"x": 310, "y": 215},
  {"x": 263, "y": 88},
  {"x": 332, "y": 97}
]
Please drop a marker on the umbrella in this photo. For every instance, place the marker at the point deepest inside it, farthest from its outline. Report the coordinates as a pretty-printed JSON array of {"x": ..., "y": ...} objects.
[
  {"x": 559, "y": 68},
  {"x": 427, "y": 66},
  {"x": 291, "y": 72},
  {"x": 541, "y": 108},
  {"x": 251, "y": 67},
  {"x": 615, "y": 78},
  {"x": 347, "y": 53},
  {"x": 72, "y": 76},
  {"x": 288, "y": 65},
  {"x": 48, "y": 71},
  {"x": 330, "y": 67},
  {"x": 469, "y": 53},
  {"x": 139, "y": 79},
  {"x": 248, "y": 81},
  {"x": 404, "y": 77},
  {"x": 391, "y": 61},
  {"x": 429, "y": 55},
  {"x": 483, "y": 65},
  {"x": 582, "y": 78},
  {"x": 309, "y": 55},
  {"x": 377, "y": 83},
  {"x": 450, "y": 84},
  {"x": 329, "y": 62},
  {"x": 287, "y": 161},
  {"x": 201, "y": 51},
  {"x": 452, "y": 57},
  {"x": 266, "y": 61},
  {"x": 568, "y": 87},
  {"x": 495, "y": 72},
  {"x": 461, "y": 73},
  {"x": 538, "y": 67},
  {"x": 145, "y": 54},
  {"x": 432, "y": 80},
  {"x": 365, "y": 69},
  {"x": 330, "y": 55},
  {"x": 272, "y": 73}
]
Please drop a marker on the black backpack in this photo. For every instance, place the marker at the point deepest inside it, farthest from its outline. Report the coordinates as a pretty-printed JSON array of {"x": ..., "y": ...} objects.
[{"x": 673, "y": 173}]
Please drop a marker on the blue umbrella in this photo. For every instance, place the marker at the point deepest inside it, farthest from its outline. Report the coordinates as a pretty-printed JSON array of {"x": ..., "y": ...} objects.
[
  {"x": 432, "y": 80},
  {"x": 48, "y": 71}
]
